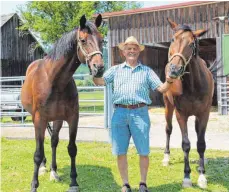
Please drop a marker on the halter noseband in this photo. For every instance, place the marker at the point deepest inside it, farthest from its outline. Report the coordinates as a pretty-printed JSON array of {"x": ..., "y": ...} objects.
[
  {"x": 186, "y": 62},
  {"x": 87, "y": 56}
]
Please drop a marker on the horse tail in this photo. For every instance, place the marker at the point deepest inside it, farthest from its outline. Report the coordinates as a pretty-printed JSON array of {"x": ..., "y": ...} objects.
[{"x": 214, "y": 66}]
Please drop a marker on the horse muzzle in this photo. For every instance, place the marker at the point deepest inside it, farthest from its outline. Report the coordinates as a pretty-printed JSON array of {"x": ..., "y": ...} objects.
[
  {"x": 175, "y": 72},
  {"x": 98, "y": 71}
]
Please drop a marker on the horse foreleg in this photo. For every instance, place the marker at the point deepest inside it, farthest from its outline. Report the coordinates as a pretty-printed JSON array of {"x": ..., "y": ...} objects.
[
  {"x": 54, "y": 142},
  {"x": 169, "y": 108},
  {"x": 72, "y": 151},
  {"x": 40, "y": 126},
  {"x": 200, "y": 126},
  {"x": 182, "y": 121}
]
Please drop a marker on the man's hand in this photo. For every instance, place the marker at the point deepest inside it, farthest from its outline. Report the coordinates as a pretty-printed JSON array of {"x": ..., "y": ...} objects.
[
  {"x": 169, "y": 79},
  {"x": 98, "y": 81},
  {"x": 166, "y": 85}
]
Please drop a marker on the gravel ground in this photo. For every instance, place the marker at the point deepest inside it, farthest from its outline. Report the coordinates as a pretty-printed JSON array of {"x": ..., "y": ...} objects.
[{"x": 217, "y": 135}]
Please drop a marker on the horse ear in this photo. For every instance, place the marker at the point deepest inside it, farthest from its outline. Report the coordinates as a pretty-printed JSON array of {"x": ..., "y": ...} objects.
[
  {"x": 83, "y": 21},
  {"x": 98, "y": 20},
  {"x": 172, "y": 24},
  {"x": 200, "y": 32}
]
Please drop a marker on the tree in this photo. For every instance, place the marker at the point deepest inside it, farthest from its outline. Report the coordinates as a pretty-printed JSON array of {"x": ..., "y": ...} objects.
[{"x": 50, "y": 19}]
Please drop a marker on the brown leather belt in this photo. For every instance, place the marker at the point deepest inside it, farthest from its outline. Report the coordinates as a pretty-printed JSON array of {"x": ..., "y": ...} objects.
[{"x": 131, "y": 106}]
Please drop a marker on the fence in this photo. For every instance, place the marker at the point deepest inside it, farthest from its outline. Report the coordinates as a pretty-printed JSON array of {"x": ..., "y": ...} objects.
[
  {"x": 11, "y": 105},
  {"x": 223, "y": 102}
]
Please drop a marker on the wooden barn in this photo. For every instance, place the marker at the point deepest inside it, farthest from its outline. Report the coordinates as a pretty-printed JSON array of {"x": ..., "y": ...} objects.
[
  {"x": 150, "y": 27},
  {"x": 17, "y": 48}
]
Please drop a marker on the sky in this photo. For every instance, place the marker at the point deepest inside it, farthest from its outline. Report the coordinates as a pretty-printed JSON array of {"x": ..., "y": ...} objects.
[{"x": 11, "y": 6}]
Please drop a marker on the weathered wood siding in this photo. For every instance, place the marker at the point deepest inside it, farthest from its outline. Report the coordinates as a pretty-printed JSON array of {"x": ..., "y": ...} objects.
[
  {"x": 17, "y": 49},
  {"x": 153, "y": 27}
]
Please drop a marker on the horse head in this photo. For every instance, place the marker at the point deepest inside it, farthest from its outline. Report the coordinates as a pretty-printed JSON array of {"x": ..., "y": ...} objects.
[
  {"x": 182, "y": 49},
  {"x": 89, "y": 45}
]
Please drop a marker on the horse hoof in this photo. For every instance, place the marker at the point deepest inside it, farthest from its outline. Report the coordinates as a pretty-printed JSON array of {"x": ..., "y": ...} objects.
[
  {"x": 202, "y": 182},
  {"x": 54, "y": 176},
  {"x": 187, "y": 183},
  {"x": 74, "y": 189},
  {"x": 165, "y": 161},
  {"x": 42, "y": 170}
]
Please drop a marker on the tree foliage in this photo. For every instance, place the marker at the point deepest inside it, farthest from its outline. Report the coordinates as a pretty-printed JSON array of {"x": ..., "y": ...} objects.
[{"x": 50, "y": 19}]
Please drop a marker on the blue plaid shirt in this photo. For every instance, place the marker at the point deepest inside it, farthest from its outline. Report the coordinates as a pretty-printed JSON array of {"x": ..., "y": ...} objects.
[{"x": 131, "y": 85}]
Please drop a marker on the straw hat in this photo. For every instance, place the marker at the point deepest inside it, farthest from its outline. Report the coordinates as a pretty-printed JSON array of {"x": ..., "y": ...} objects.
[{"x": 131, "y": 40}]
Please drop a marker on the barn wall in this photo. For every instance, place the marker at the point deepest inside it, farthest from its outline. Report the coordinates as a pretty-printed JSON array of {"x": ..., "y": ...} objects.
[
  {"x": 153, "y": 26},
  {"x": 16, "y": 49}
]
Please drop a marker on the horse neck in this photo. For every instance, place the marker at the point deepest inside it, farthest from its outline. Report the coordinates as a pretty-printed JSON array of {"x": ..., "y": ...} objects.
[
  {"x": 64, "y": 68},
  {"x": 194, "y": 80}
]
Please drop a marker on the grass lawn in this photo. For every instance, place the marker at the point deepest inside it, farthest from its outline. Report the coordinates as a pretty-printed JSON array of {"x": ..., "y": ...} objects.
[{"x": 97, "y": 171}]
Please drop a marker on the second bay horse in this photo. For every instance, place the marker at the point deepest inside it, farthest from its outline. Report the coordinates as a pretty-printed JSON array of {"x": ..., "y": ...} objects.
[{"x": 190, "y": 94}]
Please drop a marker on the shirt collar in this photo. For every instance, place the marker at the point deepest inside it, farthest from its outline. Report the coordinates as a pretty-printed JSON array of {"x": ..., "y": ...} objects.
[{"x": 126, "y": 65}]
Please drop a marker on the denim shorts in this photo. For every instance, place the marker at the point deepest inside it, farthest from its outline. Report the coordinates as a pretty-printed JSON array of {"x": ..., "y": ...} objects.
[{"x": 130, "y": 122}]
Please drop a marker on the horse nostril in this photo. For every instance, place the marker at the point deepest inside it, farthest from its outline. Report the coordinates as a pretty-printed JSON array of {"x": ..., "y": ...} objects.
[{"x": 172, "y": 66}]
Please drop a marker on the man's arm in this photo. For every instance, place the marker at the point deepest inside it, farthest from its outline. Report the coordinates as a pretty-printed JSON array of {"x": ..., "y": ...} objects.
[
  {"x": 166, "y": 85},
  {"x": 98, "y": 81}
]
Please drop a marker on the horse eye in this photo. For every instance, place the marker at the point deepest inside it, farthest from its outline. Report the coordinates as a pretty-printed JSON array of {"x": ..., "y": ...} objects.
[{"x": 172, "y": 40}]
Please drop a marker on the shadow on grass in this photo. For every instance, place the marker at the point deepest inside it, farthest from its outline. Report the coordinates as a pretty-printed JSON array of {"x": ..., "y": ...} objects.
[
  {"x": 91, "y": 178},
  {"x": 216, "y": 172}
]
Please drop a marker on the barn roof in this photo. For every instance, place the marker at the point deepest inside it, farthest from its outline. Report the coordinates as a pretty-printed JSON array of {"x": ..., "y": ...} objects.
[
  {"x": 5, "y": 18},
  {"x": 155, "y": 8}
]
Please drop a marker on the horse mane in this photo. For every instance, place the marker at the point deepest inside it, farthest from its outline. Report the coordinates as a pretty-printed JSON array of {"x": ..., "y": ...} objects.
[
  {"x": 67, "y": 43},
  {"x": 183, "y": 27}
]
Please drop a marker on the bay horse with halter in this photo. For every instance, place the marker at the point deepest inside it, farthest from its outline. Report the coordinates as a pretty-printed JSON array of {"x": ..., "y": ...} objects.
[
  {"x": 190, "y": 94},
  {"x": 49, "y": 92}
]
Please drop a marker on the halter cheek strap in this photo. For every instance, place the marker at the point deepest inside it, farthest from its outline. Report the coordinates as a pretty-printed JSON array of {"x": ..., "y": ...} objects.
[{"x": 87, "y": 56}]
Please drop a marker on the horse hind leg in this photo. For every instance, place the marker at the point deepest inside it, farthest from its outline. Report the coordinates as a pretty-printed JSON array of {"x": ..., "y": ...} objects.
[
  {"x": 200, "y": 126},
  {"x": 169, "y": 108},
  {"x": 54, "y": 142},
  {"x": 40, "y": 126}
]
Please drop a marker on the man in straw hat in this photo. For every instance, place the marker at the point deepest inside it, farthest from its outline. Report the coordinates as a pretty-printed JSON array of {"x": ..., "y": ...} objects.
[{"x": 131, "y": 84}]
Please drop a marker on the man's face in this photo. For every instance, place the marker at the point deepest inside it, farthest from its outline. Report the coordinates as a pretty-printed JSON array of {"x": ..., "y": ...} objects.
[{"x": 131, "y": 52}]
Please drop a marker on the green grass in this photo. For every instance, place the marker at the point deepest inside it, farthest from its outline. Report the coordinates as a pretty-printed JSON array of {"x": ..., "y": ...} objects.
[{"x": 97, "y": 170}]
